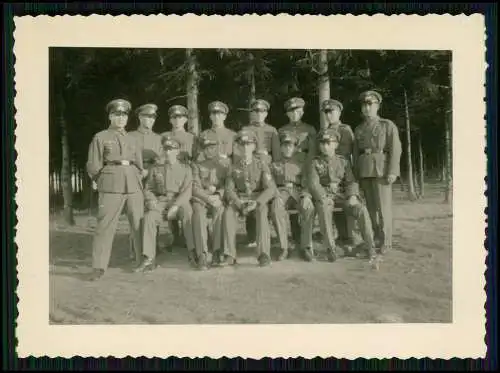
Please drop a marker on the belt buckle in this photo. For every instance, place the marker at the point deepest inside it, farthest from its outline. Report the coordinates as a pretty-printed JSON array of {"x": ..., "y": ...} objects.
[
  {"x": 125, "y": 163},
  {"x": 368, "y": 151},
  {"x": 289, "y": 185},
  {"x": 223, "y": 156},
  {"x": 262, "y": 152}
]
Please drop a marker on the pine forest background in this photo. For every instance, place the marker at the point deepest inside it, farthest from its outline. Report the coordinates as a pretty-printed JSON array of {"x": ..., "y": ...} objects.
[{"x": 415, "y": 85}]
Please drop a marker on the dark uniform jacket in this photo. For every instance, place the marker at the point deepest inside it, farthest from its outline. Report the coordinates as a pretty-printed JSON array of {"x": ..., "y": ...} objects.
[
  {"x": 209, "y": 178},
  {"x": 306, "y": 135},
  {"x": 169, "y": 182},
  {"x": 346, "y": 141},
  {"x": 107, "y": 149},
  {"x": 268, "y": 142},
  {"x": 150, "y": 144},
  {"x": 247, "y": 181},
  {"x": 331, "y": 177},
  {"x": 288, "y": 175}
]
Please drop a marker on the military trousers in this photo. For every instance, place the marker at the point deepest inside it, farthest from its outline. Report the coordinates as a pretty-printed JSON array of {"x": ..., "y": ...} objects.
[
  {"x": 110, "y": 208},
  {"x": 326, "y": 224},
  {"x": 378, "y": 196},
  {"x": 230, "y": 226},
  {"x": 153, "y": 218},
  {"x": 290, "y": 199},
  {"x": 201, "y": 211}
]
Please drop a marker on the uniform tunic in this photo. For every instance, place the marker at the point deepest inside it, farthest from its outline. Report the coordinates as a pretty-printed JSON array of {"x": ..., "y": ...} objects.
[
  {"x": 150, "y": 144},
  {"x": 209, "y": 178},
  {"x": 332, "y": 182},
  {"x": 168, "y": 185},
  {"x": 346, "y": 141},
  {"x": 291, "y": 187},
  {"x": 186, "y": 142},
  {"x": 376, "y": 154},
  {"x": 118, "y": 185},
  {"x": 225, "y": 141},
  {"x": 248, "y": 182},
  {"x": 306, "y": 135}
]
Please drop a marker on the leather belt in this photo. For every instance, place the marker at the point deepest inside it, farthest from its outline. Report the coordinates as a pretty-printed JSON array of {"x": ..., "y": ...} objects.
[
  {"x": 119, "y": 163},
  {"x": 289, "y": 185},
  {"x": 371, "y": 151},
  {"x": 262, "y": 152}
]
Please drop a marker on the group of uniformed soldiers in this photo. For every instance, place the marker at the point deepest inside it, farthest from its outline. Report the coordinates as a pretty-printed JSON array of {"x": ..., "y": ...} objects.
[{"x": 255, "y": 173}]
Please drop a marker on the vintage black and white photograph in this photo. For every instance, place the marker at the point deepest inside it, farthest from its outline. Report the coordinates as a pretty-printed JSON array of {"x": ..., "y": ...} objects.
[
  {"x": 252, "y": 186},
  {"x": 274, "y": 188}
]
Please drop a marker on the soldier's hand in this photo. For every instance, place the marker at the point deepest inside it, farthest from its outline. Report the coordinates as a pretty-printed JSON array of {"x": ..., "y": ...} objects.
[
  {"x": 215, "y": 200},
  {"x": 353, "y": 201},
  {"x": 306, "y": 203},
  {"x": 391, "y": 179},
  {"x": 144, "y": 173},
  {"x": 172, "y": 212},
  {"x": 94, "y": 185},
  {"x": 252, "y": 205}
]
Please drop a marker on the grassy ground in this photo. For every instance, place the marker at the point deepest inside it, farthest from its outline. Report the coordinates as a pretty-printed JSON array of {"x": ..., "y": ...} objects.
[{"x": 413, "y": 283}]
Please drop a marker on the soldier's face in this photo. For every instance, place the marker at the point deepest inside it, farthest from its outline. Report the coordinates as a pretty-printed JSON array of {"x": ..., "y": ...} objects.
[
  {"x": 287, "y": 149},
  {"x": 171, "y": 154},
  {"x": 147, "y": 120},
  {"x": 118, "y": 119},
  {"x": 370, "y": 108},
  {"x": 217, "y": 118},
  {"x": 210, "y": 152},
  {"x": 258, "y": 115},
  {"x": 328, "y": 148},
  {"x": 295, "y": 115},
  {"x": 178, "y": 121},
  {"x": 333, "y": 115}
]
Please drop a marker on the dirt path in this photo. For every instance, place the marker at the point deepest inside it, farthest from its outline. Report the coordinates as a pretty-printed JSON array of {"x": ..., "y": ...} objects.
[{"x": 413, "y": 284}]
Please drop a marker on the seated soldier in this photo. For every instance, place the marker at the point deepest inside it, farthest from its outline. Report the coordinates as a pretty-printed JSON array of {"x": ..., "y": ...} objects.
[
  {"x": 167, "y": 193},
  {"x": 289, "y": 180},
  {"x": 249, "y": 188},
  {"x": 328, "y": 172},
  {"x": 209, "y": 175}
]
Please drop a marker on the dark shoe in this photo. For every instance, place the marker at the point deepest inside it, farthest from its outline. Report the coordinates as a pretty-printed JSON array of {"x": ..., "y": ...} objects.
[
  {"x": 384, "y": 250},
  {"x": 283, "y": 255},
  {"x": 264, "y": 260},
  {"x": 331, "y": 254},
  {"x": 307, "y": 254},
  {"x": 202, "y": 262},
  {"x": 96, "y": 274},
  {"x": 146, "y": 266},
  {"x": 192, "y": 258},
  {"x": 227, "y": 260}
]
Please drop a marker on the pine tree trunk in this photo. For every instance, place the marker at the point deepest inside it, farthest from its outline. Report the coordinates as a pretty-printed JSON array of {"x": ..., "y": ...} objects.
[
  {"x": 323, "y": 84},
  {"x": 411, "y": 186},
  {"x": 251, "y": 82},
  {"x": 66, "y": 165},
  {"x": 421, "y": 168},
  {"x": 192, "y": 93},
  {"x": 447, "y": 139}
]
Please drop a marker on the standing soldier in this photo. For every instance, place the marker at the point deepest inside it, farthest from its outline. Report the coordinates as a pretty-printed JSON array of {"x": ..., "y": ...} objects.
[
  {"x": 178, "y": 116},
  {"x": 376, "y": 155},
  {"x": 222, "y": 135},
  {"x": 209, "y": 177},
  {"x": 249, "y": 188},
  {"x": 289, "y": 179},
  {"x": 268, "y": 145},
  {"x": 149, "y": 143},
  {"x": 167, "y": 192},
  {"x": 115, "y": 165},
  {"x": 305, "y": 133},
  {"x": 331, "y": 182},
  {"x": 332, "y": 110}
]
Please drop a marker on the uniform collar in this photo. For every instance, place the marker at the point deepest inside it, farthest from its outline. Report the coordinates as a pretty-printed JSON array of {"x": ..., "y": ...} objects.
[
  {"x": 255, "y": 124},
  {"x": 144, "y": 131},
  {"x": 121, "y": 131},
  {"x": 174, "y": 130},
  {"x": 372, "y": 120},
  {"x": 336, "y": 125},
  {"x": 244, "y": 162}
]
